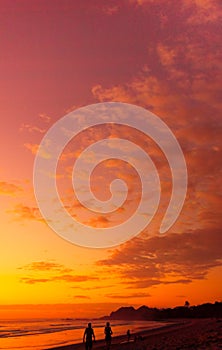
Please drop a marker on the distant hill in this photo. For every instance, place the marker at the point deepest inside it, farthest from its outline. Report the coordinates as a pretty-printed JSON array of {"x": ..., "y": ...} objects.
[{"x": 147, "y": 313}]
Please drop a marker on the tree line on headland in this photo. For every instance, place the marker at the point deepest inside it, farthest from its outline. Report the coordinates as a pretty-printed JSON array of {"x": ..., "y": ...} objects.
[{"x": 146, "y": 313}]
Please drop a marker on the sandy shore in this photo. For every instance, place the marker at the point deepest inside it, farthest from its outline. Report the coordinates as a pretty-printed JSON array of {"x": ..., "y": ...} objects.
[{"x": 184, "y": 334}]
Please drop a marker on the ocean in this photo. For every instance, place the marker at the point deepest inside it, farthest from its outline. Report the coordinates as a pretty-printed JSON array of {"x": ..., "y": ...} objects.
[{"x": 39, "y": 334}]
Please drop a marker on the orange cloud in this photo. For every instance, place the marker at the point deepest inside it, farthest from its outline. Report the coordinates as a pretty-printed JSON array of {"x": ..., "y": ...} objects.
[
  {"x": 110, "y": 10},
  {"x": 174, "y": 258},
  {"x": 167, "y": 56},
  {"x": 74, "y": 278},
  {"x": 31, "y": 128},
  {"x": 45, "y": 118},
  {"x": 99, "y": 221},
  {"x": 45, "y": 266},
  {"x": 64, "y": 278},
  {"x": 200, "y": 11},
  {"x": 203, "y": 11},
  {"x": 9, "y": 189},
  {"x": 128, "y": 296},
  {"x": 184, "y": 89},
  {"x": 35, "y": 128},
  {"x": 23, "y": 212},
  {"x": 52, "y": 272},
  {"x": 30, "y": 280},
  {"x": 32, "y": 147}
]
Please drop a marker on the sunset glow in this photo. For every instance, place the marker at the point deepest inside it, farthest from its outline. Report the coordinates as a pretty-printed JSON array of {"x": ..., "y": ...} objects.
[{"x": 58, "y": 56}]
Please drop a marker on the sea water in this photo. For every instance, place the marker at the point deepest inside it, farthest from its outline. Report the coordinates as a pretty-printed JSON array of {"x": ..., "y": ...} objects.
[{"x": 39, "y": 334}]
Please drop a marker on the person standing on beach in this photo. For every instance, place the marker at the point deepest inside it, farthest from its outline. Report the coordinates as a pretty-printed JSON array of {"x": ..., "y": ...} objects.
[
  {"x": 88, "y": 337},
  {"x": 108, "y": 335}
]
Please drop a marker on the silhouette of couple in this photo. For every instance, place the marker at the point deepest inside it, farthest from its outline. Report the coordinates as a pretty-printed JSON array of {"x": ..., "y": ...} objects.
[{"x": 89, "y": 336}]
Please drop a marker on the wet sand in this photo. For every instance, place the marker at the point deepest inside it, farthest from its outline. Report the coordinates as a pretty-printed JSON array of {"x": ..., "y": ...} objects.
[{"x": 202, "y": 334}]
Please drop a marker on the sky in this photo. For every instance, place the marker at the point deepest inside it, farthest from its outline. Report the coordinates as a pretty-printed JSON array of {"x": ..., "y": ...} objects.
[{"x": 58, "y": 56}]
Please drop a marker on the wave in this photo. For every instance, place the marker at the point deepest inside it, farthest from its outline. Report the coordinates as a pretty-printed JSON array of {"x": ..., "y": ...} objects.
[{"x": 37, "y": 334}]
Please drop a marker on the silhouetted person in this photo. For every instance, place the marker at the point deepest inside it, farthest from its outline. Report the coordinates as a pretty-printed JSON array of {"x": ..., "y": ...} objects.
[
  {"x": 128, "y": 335},
  {"x": 88, "y": 337},
  {"x": 108, "y": 335}
]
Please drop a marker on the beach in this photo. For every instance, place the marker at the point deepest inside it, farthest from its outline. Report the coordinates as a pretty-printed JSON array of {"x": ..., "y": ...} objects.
[{"x": 177, "y": 335}]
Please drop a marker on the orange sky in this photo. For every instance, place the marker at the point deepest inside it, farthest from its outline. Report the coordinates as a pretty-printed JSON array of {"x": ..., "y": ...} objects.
[{"x": 162, "y": 55}]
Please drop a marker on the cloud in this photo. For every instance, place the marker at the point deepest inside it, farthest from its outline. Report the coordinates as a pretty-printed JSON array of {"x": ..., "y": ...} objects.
[
  {"x": 181, "y": 83},
  {"x": 143, "y": 2},
  {"x": 128, "y": 296},
  {"x": 94, "y": 287},
  {"x": 45, "y": 266},
  {"x": 174, "y": 258},
  {"x": 110, "y": 10},
  {"x": 199, "y": 11},
  {"x": 32, "y": 147},
  {"x": 32, "y": 128},
  {"x": 188, "y": 64},
  {"x": 9, "y": 189},
  {"x": 52, "y": 272},
  {"x": 203, "y": 11},
  {"x": 116, "y": 93},
  {"x": 36, "y": 128},
  {"x": 146, "y": 283},
  {"x": 58, "y": 278},
  {"x": 29, "y": 280},
  {"x": 98, "y": 221},
  {"x": 166, "y": 55},
  {"x": 23, "y": 212},
  {"x": 45, "y": 118},
  {"x": 74, "y": 278},
  {"x": 35, "y": 148}
]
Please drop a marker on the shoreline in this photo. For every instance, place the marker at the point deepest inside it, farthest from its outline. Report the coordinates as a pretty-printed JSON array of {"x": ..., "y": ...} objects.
[
  {"x": 122, "y": 339},
  {"x": 178, "y": 334}
]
